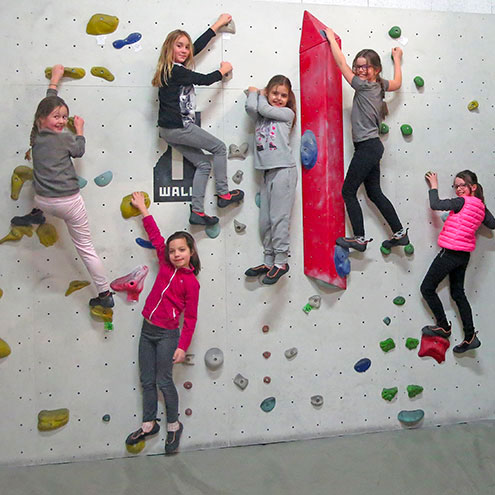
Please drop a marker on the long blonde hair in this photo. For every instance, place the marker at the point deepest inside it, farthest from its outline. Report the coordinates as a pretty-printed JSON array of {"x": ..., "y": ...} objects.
[{"x": 166, "y": 58}]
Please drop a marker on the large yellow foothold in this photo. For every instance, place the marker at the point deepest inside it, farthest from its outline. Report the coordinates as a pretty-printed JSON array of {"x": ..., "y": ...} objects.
[
  {"x": 47, "y": 234},
  {"x": 128, "y": 210},
  {"x": 136, "y": 448},
  {"x": 76, "y": 285},
  {"x": 102, "y": 72},
  {"x": 4, "y": 349},
  {"x": 17, "y": 233},
  {"x": 102, "y": 24},
  {"x": 51, "y": 420},
  {"x": 72, "y": 72},
  {"x": 1, "y": 293},
  {"x": 101, "y": 313},
  {"x": 21, "y": 174}
]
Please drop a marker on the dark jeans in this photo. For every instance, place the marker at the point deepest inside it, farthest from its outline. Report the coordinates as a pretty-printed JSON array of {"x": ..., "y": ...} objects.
[
  {"x": 156, "y": 350},
  {"x": 453, "y": 264},
  {"x": 365, "y": 168}
]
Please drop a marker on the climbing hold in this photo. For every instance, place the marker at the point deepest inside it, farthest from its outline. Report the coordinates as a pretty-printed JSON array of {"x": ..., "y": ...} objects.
[
  {"x": 136, "y": 448},
  {"x": 473, "y": 105},
  {"x": 213, "y": 231},
  {"x": 81, "y": 181},
  {"x": 265, "y": 328},
  {"x": 128, "y": 210},
  {"x": 132, "y": 283},
  {"x": 51, "y": 420},
  {"x": 341, "y": 260},
  {"x": 144, "y": 243},
  {"x": 268, "y": 404},
  {"x": 188, "y": 385},
  {"x": 406, "y": 129},
  {"x": 72, "y": 72},
  {"x": 307, "y": 308},
  {"x": 21, "y": 174},
  {"x": 389, "y": 393},
  {"x": 411, "y": 343},
  {"x": 47, "y": 234},
  {"x": 317, "y": 400},
  {"x": 106, "y": 418},
  {"x": 362, "y": 365},
  {"x": 102, "y": 72},
  {"x": 399, "y": 300},
  {"x": 309, "y": 149},
  {"x": 267, "y": 379},
  {"x": 107, "y": 325},
  {"x": 4, "y": 349},
  {"x": 132, "y": 38},
  {"x": 419, "y": 81},
  {"x": 387, "y": 345},
  {"x": 257, "y": 199},
  {"x": 189, "y": 360},
  {"x": 228, "y": 28},
  {"x": 411, "y": 418},
  {"x": 444, "y": 216},
  {"x": 238, "y": 152},
  {"x": 384, "y": 128},
  {"x": 1, "y": 293},
  {"x": 76, "y": 285},
  {"x": 413, "y": 390},
  {"x": 387, "y": 320},
  {"x": 102, "y": 24},
  {"x": 267, "y": 354},
  {"x": 409, "y": 249},
  {"x": 315, "y": 301},
  {"x": 188, "y": 411},
  {"x": 239, "y": 227},
  {"x": 240, "y": 381},
  {"x": 237, "y": 177},
  {"x": 70, "y": 125},
  {"x": 395, "y": 32},
  {"x": 291, "y": 353},
  {"x": 104, "y": 179},
  {"x": 101, "y": 313},
  {"x": 434, "y": 347},
  {"x": 214, "y": 358},
  {"x": 17, "y": 233}
]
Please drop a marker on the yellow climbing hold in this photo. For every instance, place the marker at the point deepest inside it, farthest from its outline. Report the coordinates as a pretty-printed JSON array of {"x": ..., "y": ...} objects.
[
  {"x": 128, "y": 210},
  {"x": 101, "y": 313},
  {"x": 72, "y": 72},
  {"x": 4, "y": 349},
  {"x": 17, "y": 233},
  {"x": 136, "y": 448},
  {"x": 76, "y": 285},
  {"x": 51, "y": 420},
  {"x": 70, "y": 125},
  {"x": 47, "y": 234},
  {"x": 473, "y": 105},
  {"x": 20, "y": 175},
  {"x": 1, "y": 293},
  {"x": 102, "y": 72},
  {"x": 102, "y": 24}
]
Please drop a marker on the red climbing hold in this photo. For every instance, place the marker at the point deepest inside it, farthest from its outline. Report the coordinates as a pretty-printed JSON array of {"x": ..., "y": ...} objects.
[
  {"x": 267, "y": 354},
  {"x": 187, "y": 385},
  {"x": 188, "y": 412},
  {"x": 132, "y": 283},
  {"x": 434, "y": 347}
]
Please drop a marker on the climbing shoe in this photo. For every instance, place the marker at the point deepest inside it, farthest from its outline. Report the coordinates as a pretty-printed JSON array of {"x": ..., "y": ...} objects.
[
  {"x": 204, "y": 219},
  {"x": 257, "y": 270},
  {"x": 173, "y": 439},
  {"x": 138, "y": 435},
  {"x": 235, "y": 196},
  {"x": 467, "y": 345},
  {"x": 35, "y": 217},
  {"x": 437, "y": 331},
  {"x": 274, "y": 274},
  {"x": 104, "y": 299},
  {"x": 357, "y": 242},
  {"x": 400, "y": 238}
]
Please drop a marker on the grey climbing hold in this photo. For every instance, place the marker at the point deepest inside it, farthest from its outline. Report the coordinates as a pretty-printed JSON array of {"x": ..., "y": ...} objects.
[
  {"x": 257, "y": 199},
  {"x": 189, "y": 360},
  {"x": 291, "y": 353},
  {"x": 238, "y": 152},
  {"x": 241, "y": 381},
  {"x": 268, "y": 404},
  {"x": 213, "y": 231},
  {"x": 411, "y": 418},
  {"x": 237, "y": 177},
  {"x": 81, "y": 182},
  {"x": 315, "y": 301},
  {"x": 214, "y": 358},
  {"x": 104, "y": 179},
  {"x": 317, "y": 400},
  {"x": 239, "y": 227},
  {"x": 228, "y": 28}
]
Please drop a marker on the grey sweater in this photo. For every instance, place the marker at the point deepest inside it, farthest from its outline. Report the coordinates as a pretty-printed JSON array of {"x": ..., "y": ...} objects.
[
  {"x": 271, "y": 140},
  {"x": 53, "y": 171}
]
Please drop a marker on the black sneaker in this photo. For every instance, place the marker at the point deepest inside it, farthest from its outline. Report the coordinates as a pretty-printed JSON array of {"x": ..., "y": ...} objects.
[
  {"x": 138, "y": 435},
  {"x": 467, "y": 345},
  {"x": 357, "y": 242},
  {"x": 236, "y": 196},
  {"x": 104, "y": 299},
  {"x": 257, "y": 270},
  {"x": 173, "y": 439},
  {"x": 274, "y": 274},
  {"x": 399, "y": 238},
  {"x": 437, "y": 331},
  {"x": 35, "y": 217},
  {"x": 195, "y": 219}
]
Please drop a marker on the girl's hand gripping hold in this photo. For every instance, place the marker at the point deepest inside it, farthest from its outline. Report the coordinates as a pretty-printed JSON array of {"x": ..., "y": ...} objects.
[
  {"x": 79, "y": 125},
  {"x": 223, "y": 20},
  {"x": 138, "y": 202},
  {"x": 397, "y": 53},
  {"x": 432, "y": 179},
  {"x": 57, "y": 74},
  {"x": 179, "y": 356}
]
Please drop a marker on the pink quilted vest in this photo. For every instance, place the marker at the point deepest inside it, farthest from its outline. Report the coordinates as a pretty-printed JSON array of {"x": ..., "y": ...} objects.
[{"x": 459, "y": 230}]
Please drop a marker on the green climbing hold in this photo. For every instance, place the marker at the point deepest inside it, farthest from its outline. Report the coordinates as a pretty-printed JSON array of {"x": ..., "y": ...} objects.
[
  {"x": 387, "y": 320},
  {"x": 108, "y": 325},
  {"x": 387, "y": 345},
  {"x": 51, "y": 420},
  {"x": 384, "y": 128},
  {"x": 268, "y": 404},
  {"x": 102, "y": 24},
  {"x": 307, "y": 308},
  {"x": 413, "y": 390},
  {"x": 4, "y": 349},
  {"x": 473, "y": 105},
  {"x": 389, "y": 393},
  {"x": 76, "y": 285},
  {"x": 213, "y": 231},
  {"x": 409, "y": 249},
  {"x": 136, "y": 448},
  {"x": 419, "y": 81},
  {"x": 102, "y": 72},
  {"x": 72, "y": 72},
  {"x": 385, "y": 250},
  {"x": 128, "y": 210},
  {"x": 395, "y": 32},
  {"x": 21, "y": 174},
  {"x": 399, "y": 300},
  {"x": 47, "y": 234},
  {"x": 406, "y": 129},
  {"x": 411, "y": 343}
]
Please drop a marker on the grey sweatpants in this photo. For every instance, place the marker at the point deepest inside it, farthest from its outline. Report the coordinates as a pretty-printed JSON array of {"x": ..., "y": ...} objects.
[
  {"x": 191, "y": 141},
  {"x": 278, "y": 191}
]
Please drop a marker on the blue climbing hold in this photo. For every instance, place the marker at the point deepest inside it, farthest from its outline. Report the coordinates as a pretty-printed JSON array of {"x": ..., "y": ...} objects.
[
  {"x": 268, "y": 404},
  {"x": 144, "y": 243},
  {"x": 212, "y": 231},
  {"x": 362, "y": 365},
  {"x": 341, "y": 260},
  {"x": 132, "y": 38},
  {"x": 309, "y": 150},
  {"x": 411, "y": 418},
  {"x": 104, "y": 179},
  {"x": 81, "y": 181},
  {"x": 257, "y": 199}
]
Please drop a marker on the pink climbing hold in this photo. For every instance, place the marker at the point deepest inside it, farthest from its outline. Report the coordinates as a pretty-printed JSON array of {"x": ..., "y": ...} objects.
[
  {"x": 132, "y": 283},
  {"x": 434, "y": 347}
]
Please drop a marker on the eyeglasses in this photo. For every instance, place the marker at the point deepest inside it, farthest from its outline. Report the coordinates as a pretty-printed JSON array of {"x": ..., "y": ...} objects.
[
  {"x": 364, "y": 67},
  {"x": 458, "y": 186}
]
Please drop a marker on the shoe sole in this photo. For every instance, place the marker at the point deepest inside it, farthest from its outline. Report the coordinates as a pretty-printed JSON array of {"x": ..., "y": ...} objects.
[
  {"x": 134, "y": 441},
  {"x": 433, "y": 333},
  {"x": 358, "y": 247}
]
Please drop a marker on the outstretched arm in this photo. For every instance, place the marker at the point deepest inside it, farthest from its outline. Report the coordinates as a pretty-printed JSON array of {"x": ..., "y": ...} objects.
[
  {"x": 223, "y": 20},
  {"x": 395, "y": 83},
  {"x": 339, "y": 56},
  {"x": 138, "y": 202}
]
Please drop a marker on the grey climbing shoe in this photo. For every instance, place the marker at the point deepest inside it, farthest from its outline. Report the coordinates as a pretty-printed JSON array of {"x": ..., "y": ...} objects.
[
  {"x": 34, "y": 217},
  {"x": 103, "y": 299},
  {"x": 437, "y": 331},
  {"x": 358, "y": 243},
  {"x": 467, "y": 345},
  {"x": 400, "y": 238},
  {"x": 274, "y": 274},
  {"x": 195, "y": 219},
  {"x": 257, "y": 270},
  {"x": 138, "y": 435},
  {"x": 173, "y": 440},
  {"x": 236, "y": 195}
]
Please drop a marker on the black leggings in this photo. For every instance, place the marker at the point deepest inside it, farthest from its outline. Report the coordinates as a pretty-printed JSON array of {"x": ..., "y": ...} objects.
[
  {"x": 365, "y": 168},
  {"x": 453, "y": 264}
]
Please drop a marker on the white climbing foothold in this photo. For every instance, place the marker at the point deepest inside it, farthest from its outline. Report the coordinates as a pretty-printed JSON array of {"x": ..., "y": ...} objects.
[
  {"x": 239, "y": 227},
  {"x": 241, "y": 381},
  {"x": 315, "y": 301},
  {"x": 291, "y": 353},
  {"x": 228, "y": 28},
  {"x": 237, "y": 177},
  {"x": 238, "y": 152},
  {"x": 213, "y": 358}
]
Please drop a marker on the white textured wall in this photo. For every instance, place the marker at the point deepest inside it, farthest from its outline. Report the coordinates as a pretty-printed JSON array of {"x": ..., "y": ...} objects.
[{"x": 62, "y": 358}]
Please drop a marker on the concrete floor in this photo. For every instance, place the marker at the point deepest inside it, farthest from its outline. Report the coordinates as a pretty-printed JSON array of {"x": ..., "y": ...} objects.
[{"x": 450, "y": 460}]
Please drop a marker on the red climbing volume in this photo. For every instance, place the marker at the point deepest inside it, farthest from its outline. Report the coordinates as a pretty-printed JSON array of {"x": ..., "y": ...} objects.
[{"x": 321, "y": 113}]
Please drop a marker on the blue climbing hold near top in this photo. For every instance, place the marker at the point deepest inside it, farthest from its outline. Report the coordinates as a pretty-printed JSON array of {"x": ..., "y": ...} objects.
[
  {"x": 362, "y": 365},
  {"x": 341, "y": 260},
  {"x": 104, "y": 179},
  {"x": 132, "y": 38},
  {"x": 212, "y": 231},
  {"x": 309, "y": 149},
  {"x": 81, "y": 181},
  {"x": 144, "y": 243}
]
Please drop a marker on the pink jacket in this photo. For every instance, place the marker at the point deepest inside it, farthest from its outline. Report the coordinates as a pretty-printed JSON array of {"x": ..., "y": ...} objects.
[
  {"x": 174, "y": 291},
  {"x": 459, "y": 230}
]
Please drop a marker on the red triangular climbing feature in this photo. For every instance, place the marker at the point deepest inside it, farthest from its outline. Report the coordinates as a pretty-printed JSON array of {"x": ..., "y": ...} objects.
[
  {"x": 321, "y": 113},
  {"x": 434, "y": 347}
]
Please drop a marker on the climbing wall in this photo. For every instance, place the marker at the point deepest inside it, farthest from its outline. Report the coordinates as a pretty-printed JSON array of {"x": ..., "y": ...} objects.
[{"x": 62, "y": 358}]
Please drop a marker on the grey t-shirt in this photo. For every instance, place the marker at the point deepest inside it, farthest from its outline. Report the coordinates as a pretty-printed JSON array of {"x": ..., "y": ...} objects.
[{"x": 366, "y": 106}]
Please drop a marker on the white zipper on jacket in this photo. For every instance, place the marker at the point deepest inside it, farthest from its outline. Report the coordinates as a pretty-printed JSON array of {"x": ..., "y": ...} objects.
[{"x": 163, "y": 292}]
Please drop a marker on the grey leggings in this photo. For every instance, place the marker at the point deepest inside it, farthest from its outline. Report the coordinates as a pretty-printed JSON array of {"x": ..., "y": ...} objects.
[
  {"x": 156, "y": 350},
  {"x": 191, "y": 141}
]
